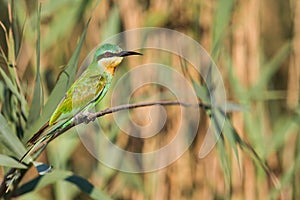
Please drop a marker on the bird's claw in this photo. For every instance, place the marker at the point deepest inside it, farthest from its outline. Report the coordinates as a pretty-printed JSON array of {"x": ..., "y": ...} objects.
[
  {"x": 86, "y": 117},
  {"x": 90, "y": 118}
]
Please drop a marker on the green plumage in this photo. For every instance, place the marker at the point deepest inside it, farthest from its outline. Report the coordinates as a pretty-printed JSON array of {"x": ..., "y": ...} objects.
[
  {"x": 85, "y": 92},
  {"x": 91, "y": 86}
]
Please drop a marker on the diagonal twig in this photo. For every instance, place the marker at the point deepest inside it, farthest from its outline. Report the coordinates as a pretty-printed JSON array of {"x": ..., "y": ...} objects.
[
  {"x": 76, "y": 120},
  {"x": 86, "y": 119}
]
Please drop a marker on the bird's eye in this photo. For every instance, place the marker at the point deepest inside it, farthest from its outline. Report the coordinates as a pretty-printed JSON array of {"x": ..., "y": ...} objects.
[{"x": 107, "y": 54}]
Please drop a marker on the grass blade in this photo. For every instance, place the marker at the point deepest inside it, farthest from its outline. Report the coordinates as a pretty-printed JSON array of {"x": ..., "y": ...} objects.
[
  {"x": 9, "y": 139},
  {"x": 10, "y": 162},
  {"x": 64, "y": 82},
  {"x": 37, "y": 101},
  {"x": 85, "y": 186},
  {"x": 14, "y": 90},
  {"x": 58, "y": 175},
  {"x": 221, "y": 21},
  {"x": 270, "y": 69}
]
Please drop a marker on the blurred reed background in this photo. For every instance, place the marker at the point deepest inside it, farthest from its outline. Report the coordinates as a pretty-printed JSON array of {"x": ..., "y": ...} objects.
[{"x": 255, "y": 44}]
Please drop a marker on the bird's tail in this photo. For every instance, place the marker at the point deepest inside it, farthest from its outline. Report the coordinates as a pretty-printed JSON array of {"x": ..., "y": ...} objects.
[
  {"x": 38, "y": 142},
  {"x": 40, "y": 139},
  {"x": 32, "y": 148},
  {"x": 37, "y": 135}
]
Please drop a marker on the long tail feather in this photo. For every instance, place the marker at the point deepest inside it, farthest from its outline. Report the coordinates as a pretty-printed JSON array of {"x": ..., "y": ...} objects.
[
  {"x": 38, "y": 143},
  {"x": 40, "y": 139},
  {"x": 37, "y": 135}
]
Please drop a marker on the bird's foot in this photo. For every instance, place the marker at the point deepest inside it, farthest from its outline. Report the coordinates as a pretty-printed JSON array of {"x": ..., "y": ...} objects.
[
  {"x": 86, "y": 117},
  {"x": 90, "y": 117}
]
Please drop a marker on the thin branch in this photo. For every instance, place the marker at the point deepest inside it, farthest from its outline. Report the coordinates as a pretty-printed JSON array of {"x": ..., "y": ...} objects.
[
  {"x": 92, "y": 116},
  {"x": 79, "y": 119},
  {"x": 144, "y": 104}
]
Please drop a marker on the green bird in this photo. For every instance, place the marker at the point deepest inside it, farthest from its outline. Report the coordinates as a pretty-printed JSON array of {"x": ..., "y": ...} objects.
[{"x": 86, "y": 92}]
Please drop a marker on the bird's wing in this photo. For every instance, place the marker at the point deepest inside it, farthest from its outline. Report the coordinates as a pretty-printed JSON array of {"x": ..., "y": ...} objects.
[{"x": 84, "y": 90}]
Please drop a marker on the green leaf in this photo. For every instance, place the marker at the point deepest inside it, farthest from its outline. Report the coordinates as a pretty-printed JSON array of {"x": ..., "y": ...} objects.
[
  {"x": 65, "y": 79},
  {"x": 69, "y": 11},
  {"x": 42, "y": 168},
  {"x": 42, "y": 181},
  {"x": 112, "y": 26},
  {"x": 37, "y": 101},
  {"x": 34, "y": 196},
  {"x": 221, "y": 21},
  {"x": 10, "y": 162},
  {"x": 220, "y": 124},
  {"x": 58, "y": 175},
  {"x": 270, "y": 69},
  {"x": 87, "y": 187},
  {"x": 9, "y": 139},
  {"x": 14, "y": 90},
  {"x": 201, "y": 92},
  {"x": 230, "y": 107},
  {"x": 64, "y": 82},
  {"x": 283, "y": 128},
  {"x": 230, "y": 135},
  {"x": 224, "y": 160},
  {"x": 217, "y": 126}
]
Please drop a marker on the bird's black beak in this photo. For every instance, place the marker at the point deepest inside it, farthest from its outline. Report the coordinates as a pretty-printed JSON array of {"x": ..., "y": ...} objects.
[{"x": 128, "y": 53}]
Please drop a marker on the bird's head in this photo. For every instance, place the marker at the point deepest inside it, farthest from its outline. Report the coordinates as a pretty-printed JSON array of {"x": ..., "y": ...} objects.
[{"x": 110, "y": 56}]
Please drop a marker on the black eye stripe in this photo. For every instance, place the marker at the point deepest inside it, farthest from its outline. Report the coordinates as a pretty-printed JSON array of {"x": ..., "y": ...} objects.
[
  {"x": 106, "y": 55},
  {"x": 109, "y": 54}
]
